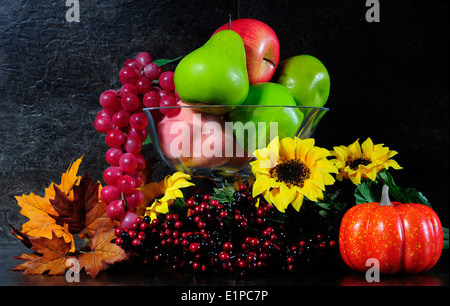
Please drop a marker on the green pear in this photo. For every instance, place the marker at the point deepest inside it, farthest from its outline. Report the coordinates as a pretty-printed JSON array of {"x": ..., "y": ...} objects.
[{"x": 215, "y": 73}]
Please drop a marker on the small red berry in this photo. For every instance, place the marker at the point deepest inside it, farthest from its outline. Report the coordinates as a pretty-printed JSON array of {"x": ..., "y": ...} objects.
[
  {"x": 254, "y": 242},
  {"x": 227, "y": 246},
  {"x": 118, "y": 231},
  {"x": 224, "y": 256},
  {"x": 143, "y": 226},
  {"x": 119, "y": 241},
  {"x": 194, "y": 247},
  {"x": 132, "y": 234}
]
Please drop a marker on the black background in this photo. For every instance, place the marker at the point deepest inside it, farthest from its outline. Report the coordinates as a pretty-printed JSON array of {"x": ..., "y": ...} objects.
[{"x": 389, "y": 79}]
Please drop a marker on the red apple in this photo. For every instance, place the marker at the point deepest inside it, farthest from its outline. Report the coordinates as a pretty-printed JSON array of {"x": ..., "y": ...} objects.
[{"x": 261, "y": 47}]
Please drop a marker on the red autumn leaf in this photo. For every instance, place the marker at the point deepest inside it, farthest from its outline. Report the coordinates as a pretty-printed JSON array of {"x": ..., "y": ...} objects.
[{"x": 73, "y": 211}]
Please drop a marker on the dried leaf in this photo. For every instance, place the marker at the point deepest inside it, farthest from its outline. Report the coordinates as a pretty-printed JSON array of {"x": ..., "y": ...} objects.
[
  {"x": 28, "y": 257},
  {"x": 104, "y": 253},
  {"x": 54, "y": 255},
  {"x": 37, "y": 209},
  {"x": 23, "y": 237},
  {"x": 73, "y": 211},
  {"x": 68, "y": 180}
]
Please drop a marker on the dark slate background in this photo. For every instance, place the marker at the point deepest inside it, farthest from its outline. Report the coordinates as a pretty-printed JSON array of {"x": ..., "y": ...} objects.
[{"x": 389, "y": 79}]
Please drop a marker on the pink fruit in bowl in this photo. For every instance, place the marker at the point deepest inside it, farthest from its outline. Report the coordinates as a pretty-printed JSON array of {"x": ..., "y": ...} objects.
[{"x": 197, "y": 139}]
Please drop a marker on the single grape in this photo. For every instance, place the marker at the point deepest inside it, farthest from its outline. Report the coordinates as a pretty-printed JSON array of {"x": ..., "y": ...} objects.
[
  {"x": 134, "y": 199},
  {"x": 112, "y": 174},
  {"x": 107, "y": 99},
  {"x": 109, "y": 193},
  {"x": 116, "y": 210},
  {"x": 132, "y": 144},
  {"x": 103, "y": 124},
  {"x": 130, "y": 102},
  {"x": 134, "y": 64},
  {"x": 143, "y": 85},
  {"x": 144, "y": 58},
  {"x": 152, "y": 71},
  {"x": 121, "y": 118},
  {"x": 114, "y": 138},
  {"x": 166, "y": 101},
  {"x": 127, "y": 75},
  {"x": 128, "y": 162},
  {"x": 125, "y": 184},
  {"x": 164, "y": 92},
  {"x": 102, "y": 113},
  {"x": 138, "y": 121},
  {"x": 151, "y": 99},
  {"x": 140, "y": 134},
  {"x": 141, "y": 162},
  {"x": 137, "y": 176},
  {"x": 113, "y": 156},
  {"x": 166, "y": 80},
  {"x": 128, "y": 88}
]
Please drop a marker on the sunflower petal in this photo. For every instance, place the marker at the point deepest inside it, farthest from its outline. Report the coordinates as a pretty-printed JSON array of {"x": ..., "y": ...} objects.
[
  {"x": 261, "y": 184},
  {"x": 287, "y": 148},
  {"x": 298, "y": 201}
]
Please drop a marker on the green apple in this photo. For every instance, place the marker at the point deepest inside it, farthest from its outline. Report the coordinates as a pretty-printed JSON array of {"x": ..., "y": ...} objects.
[
  {"x": 275, "y": 105},
  {"x": 215, "y": 73},
  {"x": 306, "y": 78}
]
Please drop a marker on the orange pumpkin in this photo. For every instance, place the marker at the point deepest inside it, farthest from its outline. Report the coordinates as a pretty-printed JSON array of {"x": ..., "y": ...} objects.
[{"x": 402, "y": 237}]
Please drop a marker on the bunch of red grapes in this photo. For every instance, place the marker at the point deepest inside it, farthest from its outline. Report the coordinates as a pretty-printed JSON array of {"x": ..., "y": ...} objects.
[{"x": 144, "y": 84}]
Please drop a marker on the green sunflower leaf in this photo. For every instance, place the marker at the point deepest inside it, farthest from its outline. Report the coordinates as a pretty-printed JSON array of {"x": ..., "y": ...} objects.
[
  {"x": 367, "y": 192},
  {"x": 370, "y": 191}
]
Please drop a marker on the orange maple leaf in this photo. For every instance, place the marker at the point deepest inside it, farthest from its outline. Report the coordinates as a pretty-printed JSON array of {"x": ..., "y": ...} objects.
[
  {"x": 52, "y": 257},
  {"x": 38, "y": 209},
  {"x": 104, "y": 252}
]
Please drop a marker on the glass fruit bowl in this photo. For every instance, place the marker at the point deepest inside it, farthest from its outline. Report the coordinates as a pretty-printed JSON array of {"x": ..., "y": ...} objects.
[{"x": 219, "y": 140}]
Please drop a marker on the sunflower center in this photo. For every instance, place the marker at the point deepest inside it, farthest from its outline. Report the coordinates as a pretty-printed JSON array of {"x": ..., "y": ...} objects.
[
  {"x": 354, "y": 163},
  {"x": 291, "y": 172}
]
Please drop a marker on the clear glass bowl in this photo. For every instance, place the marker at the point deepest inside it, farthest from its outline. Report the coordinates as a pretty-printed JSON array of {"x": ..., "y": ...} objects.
[{"x": 218, "y": 140}]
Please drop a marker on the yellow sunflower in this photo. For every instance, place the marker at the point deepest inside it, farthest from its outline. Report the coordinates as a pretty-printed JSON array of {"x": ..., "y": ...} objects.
[
  {"x": 291, "y": 169},
  {"x": 362, "y": 161},
  {"x": 169, "y": 187}
]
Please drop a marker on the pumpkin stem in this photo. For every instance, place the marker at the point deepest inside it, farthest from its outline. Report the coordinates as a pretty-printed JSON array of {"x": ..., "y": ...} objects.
[{"x": 385, "y": 201}]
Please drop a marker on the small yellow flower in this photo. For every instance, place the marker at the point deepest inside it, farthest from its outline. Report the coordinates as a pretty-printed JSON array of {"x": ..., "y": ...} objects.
[
  {"x": 362, "y": 161},
  {"x": 169, "y": 188},
  {"x": 291, "y": 169}
]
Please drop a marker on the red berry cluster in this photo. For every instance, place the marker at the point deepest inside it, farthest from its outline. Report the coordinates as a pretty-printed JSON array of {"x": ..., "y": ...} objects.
[
  {"x": 236, "y": 236},
  {"x": 144, "y": 84}
]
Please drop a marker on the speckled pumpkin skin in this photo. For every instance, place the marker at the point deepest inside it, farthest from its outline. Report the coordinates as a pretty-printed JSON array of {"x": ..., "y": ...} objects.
[{"x": 403, "y": 237}]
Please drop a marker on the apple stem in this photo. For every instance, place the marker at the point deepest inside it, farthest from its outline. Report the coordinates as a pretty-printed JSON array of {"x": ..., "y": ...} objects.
[
  {"x": 229, "y": 21},
  {"x": 268, "y": 60}
]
